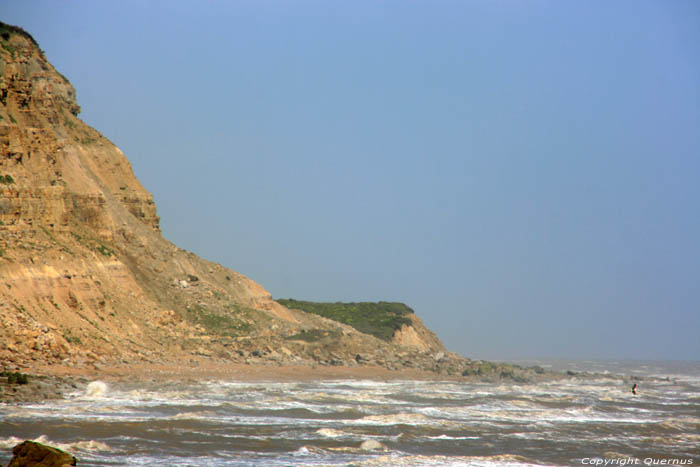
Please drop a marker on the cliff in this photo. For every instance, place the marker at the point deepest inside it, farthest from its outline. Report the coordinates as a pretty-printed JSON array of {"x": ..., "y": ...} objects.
[{"x": 87, "y": 278}]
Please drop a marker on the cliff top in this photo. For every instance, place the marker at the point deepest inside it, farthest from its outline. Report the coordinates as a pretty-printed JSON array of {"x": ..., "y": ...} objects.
[
  {"x": 7, "y": 29},
  {"x": 90, "y": 280}
]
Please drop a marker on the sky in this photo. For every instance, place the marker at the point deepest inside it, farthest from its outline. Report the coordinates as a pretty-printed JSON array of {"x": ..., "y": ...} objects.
[{"x": 524, "y": 174}]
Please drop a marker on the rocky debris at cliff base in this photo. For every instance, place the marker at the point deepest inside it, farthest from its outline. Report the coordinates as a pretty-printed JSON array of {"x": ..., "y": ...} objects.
[
  {"x": 35, "y": 388},
  {"x": 33, "y": 454}
]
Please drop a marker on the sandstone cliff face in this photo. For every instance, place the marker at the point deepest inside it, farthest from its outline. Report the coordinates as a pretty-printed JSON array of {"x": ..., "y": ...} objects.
[
  {"x": 85, "y": 274},
  {"x": 417, "y": 336}
]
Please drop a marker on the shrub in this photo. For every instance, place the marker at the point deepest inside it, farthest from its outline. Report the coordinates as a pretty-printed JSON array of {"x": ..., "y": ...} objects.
[
  {"x": 7, "y": 29},
  {"x": 379, "y": 319},
  {"x": 105, "y": 251},
  {"x": 485, "y": 368},
  {"x": 15, "y": 378}
]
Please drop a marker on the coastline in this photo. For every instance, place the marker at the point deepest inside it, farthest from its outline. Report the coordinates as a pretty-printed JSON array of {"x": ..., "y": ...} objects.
[
  {"x": 47, "y": 382},
  {"x": 204, "y": 369},
  {"x": 51, "y": 381}
]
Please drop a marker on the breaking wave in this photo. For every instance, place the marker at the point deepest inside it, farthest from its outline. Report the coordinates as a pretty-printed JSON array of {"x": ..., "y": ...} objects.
[
  {"x": 96, "y": 389},
  {"x": 363, "y": 423}
]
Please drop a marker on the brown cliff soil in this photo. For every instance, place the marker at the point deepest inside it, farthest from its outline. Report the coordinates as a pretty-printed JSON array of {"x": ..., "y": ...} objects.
[{"x": 87, "y": 279}]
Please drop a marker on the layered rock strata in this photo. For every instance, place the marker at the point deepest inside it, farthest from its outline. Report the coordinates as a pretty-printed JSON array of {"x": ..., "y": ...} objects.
[{"x": 86, "y": 278}]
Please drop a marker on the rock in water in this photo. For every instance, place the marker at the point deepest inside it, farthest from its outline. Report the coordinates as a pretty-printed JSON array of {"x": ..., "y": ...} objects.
[{"x": 31, "y": 453}]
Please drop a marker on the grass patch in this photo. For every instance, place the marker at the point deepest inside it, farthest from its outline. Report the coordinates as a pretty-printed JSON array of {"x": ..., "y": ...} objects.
[
  {"x": 15, "y": 378},
  {"x": 70, "y": 338},
  {"x": 67, "y": 122},
  {"x": 10, "y": 48},
  {"x": 379, "y": 319},
  {"x": 312, "y": 335},
  {"x": 105, "y": 251},
  {"x": 7, "y": 179},
  {"x": 73, "y": 339},
  {"x": 221, "y": 324}
]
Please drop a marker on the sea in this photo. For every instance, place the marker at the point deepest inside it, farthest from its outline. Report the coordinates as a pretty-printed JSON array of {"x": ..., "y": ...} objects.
[{"x": 579, "y": 420}]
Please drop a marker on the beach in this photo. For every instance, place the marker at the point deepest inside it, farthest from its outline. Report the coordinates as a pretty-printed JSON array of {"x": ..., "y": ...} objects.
[{"x": 206, "y": 369}]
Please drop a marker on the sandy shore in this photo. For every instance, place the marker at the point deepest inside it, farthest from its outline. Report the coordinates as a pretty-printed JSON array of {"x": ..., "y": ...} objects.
[
  {"x": 231, "y": 372},
  {"x": 54, "y": 381}
]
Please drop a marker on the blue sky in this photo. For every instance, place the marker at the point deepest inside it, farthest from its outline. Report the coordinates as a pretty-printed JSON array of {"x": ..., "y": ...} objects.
[{"x": 524, "y": 174}]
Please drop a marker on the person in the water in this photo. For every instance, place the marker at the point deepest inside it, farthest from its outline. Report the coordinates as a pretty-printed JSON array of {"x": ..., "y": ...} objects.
[{"x": 634, "y": 389}]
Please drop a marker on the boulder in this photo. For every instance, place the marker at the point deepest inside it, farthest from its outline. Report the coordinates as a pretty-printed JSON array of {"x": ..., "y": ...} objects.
[{"x": 31, "y": 453}]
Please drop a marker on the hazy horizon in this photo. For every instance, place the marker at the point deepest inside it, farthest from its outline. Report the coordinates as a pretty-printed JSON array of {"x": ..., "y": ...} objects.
[{"x": 524, "y": 175}]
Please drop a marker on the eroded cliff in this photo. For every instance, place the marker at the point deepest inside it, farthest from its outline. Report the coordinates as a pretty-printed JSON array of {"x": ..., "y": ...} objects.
[{"x": 87, "y": 278}]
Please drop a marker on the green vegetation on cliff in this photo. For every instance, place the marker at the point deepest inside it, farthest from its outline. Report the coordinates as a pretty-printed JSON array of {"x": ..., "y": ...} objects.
[
  {"x": 231, "y": 323},
  {"x": 380, "y": 319},
  {"x": 6, "y": 30},
  {"x": 15, "y": 378}
]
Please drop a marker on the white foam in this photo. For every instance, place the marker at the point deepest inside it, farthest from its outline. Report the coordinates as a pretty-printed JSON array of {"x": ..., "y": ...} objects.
[
  {"x": 536, "y": 410},
  {"x": 453, "y": 437},
  {"x": 204, "y": 415},
  {"x": 9, "y": 443},
  {"x": 393, "y": 419},
  {"x": 393, "y": 460},
  {"x": 302, "y": 451},
  {"x": 307, "y": 451},
  {"x": 96, "y": 389},
  {"x": 372, "y": 445},
  {"x": 331, "y": 433},
  {"x": 85, "y": 445},
  {"x": 91, "y": 445}
]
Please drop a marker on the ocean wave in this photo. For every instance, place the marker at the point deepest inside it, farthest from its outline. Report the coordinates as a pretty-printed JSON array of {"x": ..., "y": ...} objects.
[
  {"x": 325, "y": 423},
  {"x": 71, "y": 447},
  {"x": 678, "y": 423},
  {"x": 394, "y": 419},
  {"x": 96, "y": 389},
  {"x": 348, "y": 397},
  {"x": 9, "y": 443},
  {"x": 504, "y": 460},
  {"x": 305, "y": 451},
  {"x": 331, "y": 433},
  {"x": 446, "y": 437},
  {"x": 203, "y": 415},
  {"x": 367, "y": 384}
]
